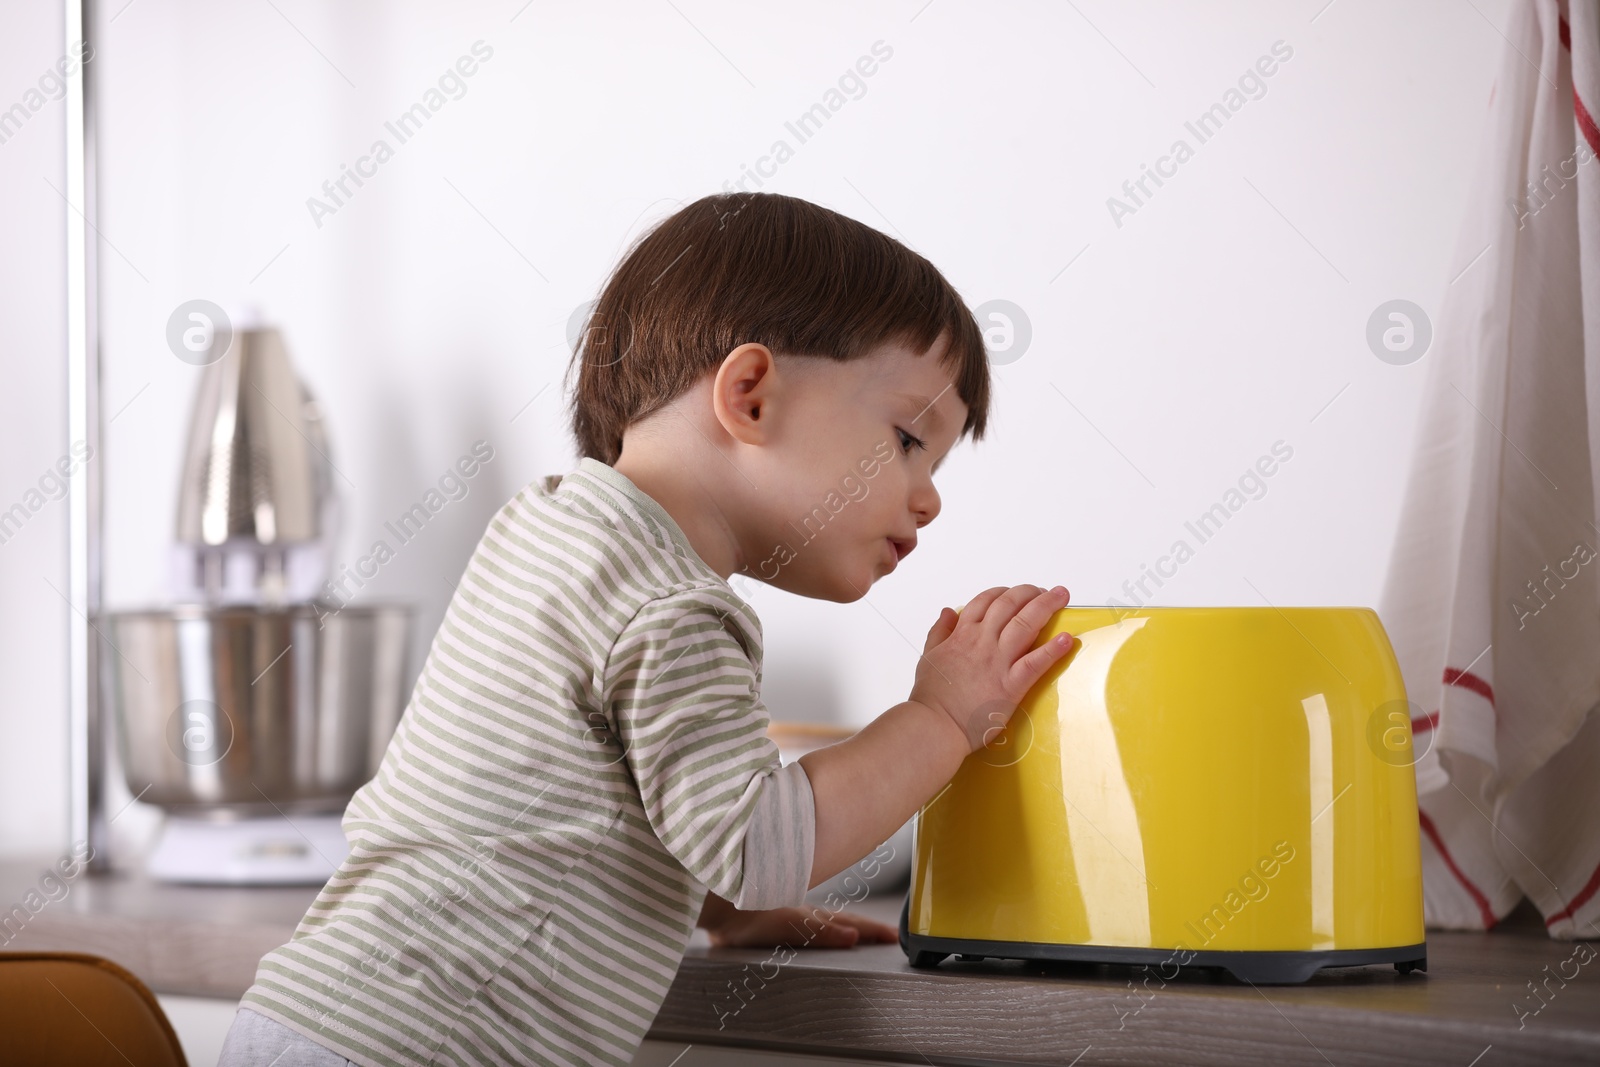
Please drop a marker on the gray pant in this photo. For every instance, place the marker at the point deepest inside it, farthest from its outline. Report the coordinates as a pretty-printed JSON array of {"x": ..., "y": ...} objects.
[{"x": 257, "y": 1041}]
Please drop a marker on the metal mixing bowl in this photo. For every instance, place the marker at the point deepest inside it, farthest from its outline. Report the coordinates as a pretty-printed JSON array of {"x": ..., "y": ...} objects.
[{"x": 249, "y": 710}]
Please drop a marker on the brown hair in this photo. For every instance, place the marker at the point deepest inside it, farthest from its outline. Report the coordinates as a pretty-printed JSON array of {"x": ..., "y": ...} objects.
[{"x": 733, "y": 268}]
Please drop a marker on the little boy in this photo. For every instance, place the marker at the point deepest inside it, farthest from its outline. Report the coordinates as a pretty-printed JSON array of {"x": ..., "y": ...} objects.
[{"x": 583, "y": 770}]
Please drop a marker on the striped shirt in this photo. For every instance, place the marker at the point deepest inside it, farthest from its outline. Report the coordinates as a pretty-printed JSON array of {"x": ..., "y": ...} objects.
[{"x": 583, "y": 756}]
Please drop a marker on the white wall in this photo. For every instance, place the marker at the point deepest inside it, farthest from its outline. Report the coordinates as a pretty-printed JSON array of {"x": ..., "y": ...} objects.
[
  {"x": 33, "y": 435},
  {"x": 431, "y": 309}
]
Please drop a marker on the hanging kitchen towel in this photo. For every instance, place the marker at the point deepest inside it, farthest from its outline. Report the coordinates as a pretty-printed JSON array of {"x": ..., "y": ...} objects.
[{"x": 1492, "y": 600}]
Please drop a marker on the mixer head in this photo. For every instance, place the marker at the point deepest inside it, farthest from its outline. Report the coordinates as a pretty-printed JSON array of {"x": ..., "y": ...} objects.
[{"x": 255, "y": 505}]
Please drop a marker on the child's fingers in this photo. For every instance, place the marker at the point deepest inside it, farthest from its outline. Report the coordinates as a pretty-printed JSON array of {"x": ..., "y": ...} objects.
[
  {"x": 978, "y": 606},
  {"x": 1032, "y": 617},
  {"x": 1031, "y": 668},
  {"x": 835, "y": 934},
  {"x": 942, "y": 627},
  {"x": 1005, "y": 608},
  {"x": 871, "y": 929}
]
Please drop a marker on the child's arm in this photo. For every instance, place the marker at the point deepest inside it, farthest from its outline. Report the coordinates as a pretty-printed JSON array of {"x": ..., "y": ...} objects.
[{"x": 975, "y": 668}]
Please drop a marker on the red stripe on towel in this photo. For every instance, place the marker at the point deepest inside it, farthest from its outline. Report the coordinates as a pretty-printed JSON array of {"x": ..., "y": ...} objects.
[
  {"x": 1578, "y": 901},
  {"x": 1586, "y": 123},
  {"x": 1462, "y": 679},
  {"x": 1591, "y": 133},
  {"x": 1467, "y": 680},
  {"x": 1438, "y": 842}
]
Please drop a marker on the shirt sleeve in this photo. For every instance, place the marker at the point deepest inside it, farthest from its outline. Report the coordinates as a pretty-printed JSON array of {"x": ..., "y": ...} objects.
[
  {"x": 684, "y": 696},
  {"x": 781, "y": 841}
]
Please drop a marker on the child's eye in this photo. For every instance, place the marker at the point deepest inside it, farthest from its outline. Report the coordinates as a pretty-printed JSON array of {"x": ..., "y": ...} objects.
[{"x": 905, "y": 437}]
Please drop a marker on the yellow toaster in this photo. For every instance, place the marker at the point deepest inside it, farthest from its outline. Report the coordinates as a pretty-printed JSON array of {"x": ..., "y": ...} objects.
[{"x": 1205, "y": 787}]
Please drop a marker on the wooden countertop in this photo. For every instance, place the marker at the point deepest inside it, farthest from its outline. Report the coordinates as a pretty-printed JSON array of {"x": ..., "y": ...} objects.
[{"x": 869, "y": 1003}]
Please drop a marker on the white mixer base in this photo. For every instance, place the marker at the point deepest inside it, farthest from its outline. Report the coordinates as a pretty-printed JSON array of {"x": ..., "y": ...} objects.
[{"x": 304, "y": 850}]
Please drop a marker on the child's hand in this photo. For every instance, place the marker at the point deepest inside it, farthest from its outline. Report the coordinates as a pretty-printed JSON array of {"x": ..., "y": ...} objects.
[
  {"x": 976, "y": 666},
  {"x": 797, "y": 928}
]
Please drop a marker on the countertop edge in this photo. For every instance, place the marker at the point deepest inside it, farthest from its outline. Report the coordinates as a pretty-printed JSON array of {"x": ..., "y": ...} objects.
[{"x": 869, "y": 1003}]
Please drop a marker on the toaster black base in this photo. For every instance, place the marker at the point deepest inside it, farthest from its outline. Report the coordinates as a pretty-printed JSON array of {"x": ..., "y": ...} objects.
[{"x": 1258, "y": 968}]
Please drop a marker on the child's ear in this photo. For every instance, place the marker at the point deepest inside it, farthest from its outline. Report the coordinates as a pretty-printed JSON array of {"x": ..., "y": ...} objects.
[{"x": 743, "y": 392}]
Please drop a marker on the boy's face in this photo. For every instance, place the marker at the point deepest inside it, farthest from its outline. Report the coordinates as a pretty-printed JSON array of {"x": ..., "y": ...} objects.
[{"x": 844, "y": 482}]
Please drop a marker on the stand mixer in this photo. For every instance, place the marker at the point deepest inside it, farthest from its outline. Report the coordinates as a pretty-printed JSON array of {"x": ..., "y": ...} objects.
[{"x": 249, "y": 710}]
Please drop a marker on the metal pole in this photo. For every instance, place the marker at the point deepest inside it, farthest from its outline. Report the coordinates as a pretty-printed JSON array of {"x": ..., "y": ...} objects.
[{"x": 87, "y": 814}]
